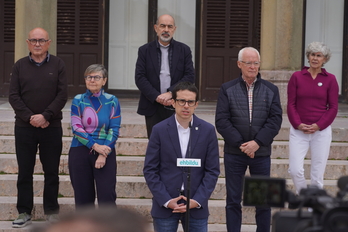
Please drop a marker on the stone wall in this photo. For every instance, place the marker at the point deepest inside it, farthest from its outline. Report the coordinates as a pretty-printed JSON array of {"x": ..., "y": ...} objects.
[{"x": 280, "y": 78}]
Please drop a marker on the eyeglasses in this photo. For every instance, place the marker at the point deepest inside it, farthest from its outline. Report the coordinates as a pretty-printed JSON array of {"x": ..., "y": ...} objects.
[
  {"x": 41, "y": 41},
  {"x": 96, "y": 78},
  {"x": 249, "y": 64},
  {"x": 182, "y": 102},
  {"x": 163, "y": 26}
]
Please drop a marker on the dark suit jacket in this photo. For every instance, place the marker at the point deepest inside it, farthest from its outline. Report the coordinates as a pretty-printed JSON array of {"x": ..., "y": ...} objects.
[
  {"x": 165, "y": 179},
  {"x": 148, "y": 69}
]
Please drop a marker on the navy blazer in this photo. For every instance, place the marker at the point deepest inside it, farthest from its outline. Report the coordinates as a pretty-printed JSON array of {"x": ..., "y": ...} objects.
[
  {"x": 165, "y": 179},
  {"x": 147, "y": 72}
]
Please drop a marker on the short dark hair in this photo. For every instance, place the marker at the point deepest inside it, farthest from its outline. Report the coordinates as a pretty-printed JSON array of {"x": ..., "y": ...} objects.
[{"x": 186, "y": 85}]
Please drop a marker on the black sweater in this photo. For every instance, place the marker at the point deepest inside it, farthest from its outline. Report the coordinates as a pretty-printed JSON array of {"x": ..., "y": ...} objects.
[{"x": 38, "y": 90}]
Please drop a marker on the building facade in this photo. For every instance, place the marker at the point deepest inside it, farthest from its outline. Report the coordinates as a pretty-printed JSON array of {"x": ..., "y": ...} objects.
[{"x": 111, "y": 31}]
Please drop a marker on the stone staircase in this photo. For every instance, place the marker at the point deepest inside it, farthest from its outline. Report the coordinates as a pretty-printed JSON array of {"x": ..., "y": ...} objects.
[{"x": 132, "y": 191}]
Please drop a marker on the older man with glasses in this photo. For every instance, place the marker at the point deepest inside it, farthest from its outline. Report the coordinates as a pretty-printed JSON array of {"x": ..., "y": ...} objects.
[
  {"x": 248, "y": 116},
  {"x": 38, "y": 93},
  {"x": 161, "y": 64}
]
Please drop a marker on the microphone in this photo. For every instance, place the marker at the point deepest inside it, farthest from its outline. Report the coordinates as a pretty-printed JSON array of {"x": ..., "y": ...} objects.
[
  {"x": 188, "y": 185},
  {"x": 342, "y": 183}
]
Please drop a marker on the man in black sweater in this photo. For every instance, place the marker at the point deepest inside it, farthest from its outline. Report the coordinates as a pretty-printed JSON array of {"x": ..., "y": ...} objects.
[{"x": 38, "y": 92}]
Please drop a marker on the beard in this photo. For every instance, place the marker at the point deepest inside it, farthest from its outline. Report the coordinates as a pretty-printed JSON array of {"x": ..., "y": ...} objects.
[{"x": 165, "y": 37}]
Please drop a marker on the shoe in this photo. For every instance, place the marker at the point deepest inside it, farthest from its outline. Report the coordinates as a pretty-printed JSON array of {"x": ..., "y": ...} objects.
[
  {"x": 53, "y": 218},
  {"x": 22, "y": 220}
]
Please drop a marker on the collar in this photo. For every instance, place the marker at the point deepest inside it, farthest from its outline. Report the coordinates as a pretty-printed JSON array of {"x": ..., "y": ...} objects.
[
  {"x": 248, "y": 83},
  {"x": 158, "y": 44},
  {"x": 47, "y": 59},
  {"x": 179, "y": 126},
  {"x": 90, "y": 94},
  {"x": 304, "y": 71}
]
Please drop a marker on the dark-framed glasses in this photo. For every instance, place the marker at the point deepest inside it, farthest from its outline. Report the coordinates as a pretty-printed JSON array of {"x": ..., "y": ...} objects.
[
  {"x": 41, "y": 41},
  {"x": 182, "y": 102},
  {"x": 249, "y": 64},
  {"x": 96, "y": 77}
]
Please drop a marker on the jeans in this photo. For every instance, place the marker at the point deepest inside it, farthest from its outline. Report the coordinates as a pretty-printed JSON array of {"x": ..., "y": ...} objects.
[
  {"x": 235, "y": 167},
  {"x": 171, "y": 224}
]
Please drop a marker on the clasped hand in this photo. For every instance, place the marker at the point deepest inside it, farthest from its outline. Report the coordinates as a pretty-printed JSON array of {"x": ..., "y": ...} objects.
[
  {"x": 102, "y": 149},
  {"x": 38, "y": 120},
  {"x": 308, "y": 129},
  {"x": 249, "y": 148},
  {"x": 181, "y": 208},
  {"x": 165, "y": 99}
]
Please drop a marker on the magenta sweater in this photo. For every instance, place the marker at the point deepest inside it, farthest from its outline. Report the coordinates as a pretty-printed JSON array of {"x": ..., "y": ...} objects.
[{"x": 312, "y": 100}]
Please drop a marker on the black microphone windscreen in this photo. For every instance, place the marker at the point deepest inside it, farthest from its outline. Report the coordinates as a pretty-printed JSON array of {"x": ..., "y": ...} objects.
[{"x": 342, "y": 183}]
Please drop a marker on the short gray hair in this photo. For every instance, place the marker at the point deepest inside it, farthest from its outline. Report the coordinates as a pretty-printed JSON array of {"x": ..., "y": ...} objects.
[
  {"x": 240, "y": 54},
  {"x": 96, "y": 68},
  {"x": 315, "y": 47}
]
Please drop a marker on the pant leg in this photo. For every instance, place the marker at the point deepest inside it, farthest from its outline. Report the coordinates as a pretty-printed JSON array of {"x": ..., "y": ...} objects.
[
  {"x": 261, "y": 165},
  {"x": 195, "y": 225},
  {"x": 105, "y": 179},
  {"x": 50, "y": 149},
  {"x": 320, "y": 150},
  {"x": 235, "y": 167},
  {"x": 298, "y": 148},
  {"x": 81, "y": 165},
  {"x": 26, "y": 149},
  {"x": 160, "y": 114},
  {"x": 170, "y": 224}
]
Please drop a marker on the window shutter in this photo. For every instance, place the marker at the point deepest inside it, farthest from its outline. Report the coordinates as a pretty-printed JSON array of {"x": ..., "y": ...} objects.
[
  {"x": 78, "y": 22},
  {"x": 8, "y": 17},
  {"x": 232, "y": 23}
]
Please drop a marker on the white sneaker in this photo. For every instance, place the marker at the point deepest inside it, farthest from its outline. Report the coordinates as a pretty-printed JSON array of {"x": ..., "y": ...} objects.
[
  {"x": 53, "y": 218},
  {"x": 22, "y": 220}
]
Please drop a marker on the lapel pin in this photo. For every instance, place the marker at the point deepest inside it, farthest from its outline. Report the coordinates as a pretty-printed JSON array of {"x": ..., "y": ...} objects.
[
  {"x": 196, "y": 128},
  {"x": 320, "y": 84}
]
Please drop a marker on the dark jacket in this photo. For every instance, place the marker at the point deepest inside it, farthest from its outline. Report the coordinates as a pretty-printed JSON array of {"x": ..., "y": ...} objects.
[
  {"x": 232, "y": 115},
  {"x": 148, "y": 69},
  {"x": 164, "y": 178}
]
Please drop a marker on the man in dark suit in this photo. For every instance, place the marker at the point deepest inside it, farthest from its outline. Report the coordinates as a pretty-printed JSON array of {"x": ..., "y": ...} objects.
[
  {"x": 161, "y": 64},
  {"x": 171, "y": 140}
]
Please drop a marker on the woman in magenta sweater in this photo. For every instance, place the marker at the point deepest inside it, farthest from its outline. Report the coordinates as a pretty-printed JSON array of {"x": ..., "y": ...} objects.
[{"x": 312, "y": 107}]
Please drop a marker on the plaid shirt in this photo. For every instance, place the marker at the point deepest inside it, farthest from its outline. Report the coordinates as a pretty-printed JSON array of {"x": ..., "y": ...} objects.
[{"x": 250, "y": 89}]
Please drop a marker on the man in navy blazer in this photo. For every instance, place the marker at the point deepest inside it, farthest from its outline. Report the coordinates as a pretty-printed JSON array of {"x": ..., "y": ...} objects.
[
  {"x": 161, "y": 64},
  {"x": 172, "y": 139}
]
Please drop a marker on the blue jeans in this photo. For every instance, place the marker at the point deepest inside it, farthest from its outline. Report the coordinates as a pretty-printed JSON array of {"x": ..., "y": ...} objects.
[
  {"x": 235, "y": 167},
  {"x": 171, "y": 224}
]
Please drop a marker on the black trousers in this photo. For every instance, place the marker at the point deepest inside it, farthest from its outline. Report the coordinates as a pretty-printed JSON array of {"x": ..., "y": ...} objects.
[
  {"x": 89, "y": 181},
  {"x": 49, "y": 143},
  {"x": 161, "y": 113}
]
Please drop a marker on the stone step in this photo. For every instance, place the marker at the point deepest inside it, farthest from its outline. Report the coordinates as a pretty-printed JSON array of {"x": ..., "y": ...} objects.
[
  {"x": 133, "y": 166},
  {"x": 137, "y": 147},
  {"x": 126, "y": 187},
  {"x": 138, "y": 130},
  {"x": 8, "y": 209}
]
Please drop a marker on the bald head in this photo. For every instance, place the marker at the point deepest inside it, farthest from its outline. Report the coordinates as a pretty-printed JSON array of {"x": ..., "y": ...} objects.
[
  {"x": 38, "y": 31},
  {"x": 165, "y": 17}
]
